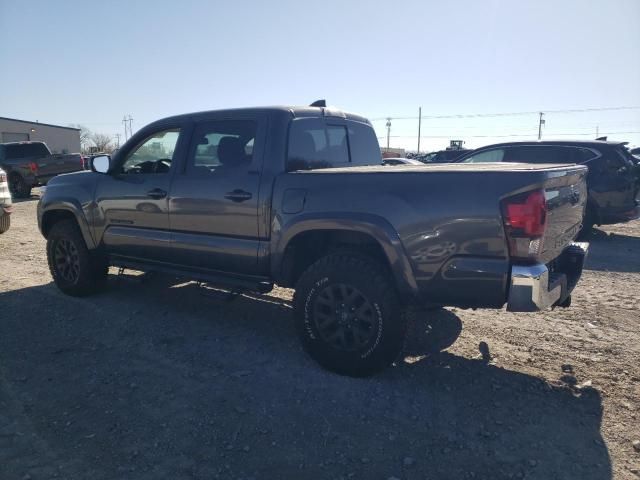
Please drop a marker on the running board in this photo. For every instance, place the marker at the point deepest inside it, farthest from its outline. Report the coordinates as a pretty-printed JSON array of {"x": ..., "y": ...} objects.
[{"x": 221, "y": 280}]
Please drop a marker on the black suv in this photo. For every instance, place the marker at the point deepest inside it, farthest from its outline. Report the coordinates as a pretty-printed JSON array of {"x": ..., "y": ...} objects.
[{"x": 613, "y": 180}]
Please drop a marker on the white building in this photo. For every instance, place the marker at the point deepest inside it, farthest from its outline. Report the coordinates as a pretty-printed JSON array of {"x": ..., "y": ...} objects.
[{"x": 58, "y": 139}]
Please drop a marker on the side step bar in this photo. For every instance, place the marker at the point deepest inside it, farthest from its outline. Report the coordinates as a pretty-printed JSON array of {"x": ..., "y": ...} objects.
[{"x": 221, "y": 280}]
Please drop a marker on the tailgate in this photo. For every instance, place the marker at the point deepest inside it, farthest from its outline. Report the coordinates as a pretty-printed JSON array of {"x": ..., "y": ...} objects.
[{"x": 566, "y": 198}]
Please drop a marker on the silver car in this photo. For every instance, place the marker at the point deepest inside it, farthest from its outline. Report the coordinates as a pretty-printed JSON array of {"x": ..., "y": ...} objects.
[{"x": 5, "y": 203}]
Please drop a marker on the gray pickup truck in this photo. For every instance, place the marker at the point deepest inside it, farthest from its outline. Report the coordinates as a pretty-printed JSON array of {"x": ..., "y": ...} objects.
[
  {"x": 298, "y": 196},
  {"x": 29, "y": 164}
]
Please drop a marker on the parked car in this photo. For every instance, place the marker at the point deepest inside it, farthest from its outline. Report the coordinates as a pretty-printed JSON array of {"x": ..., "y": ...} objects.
[
  {"x": 297, "y": 196},
  {"x": 613, "y": 180},
  {"x": 5, "y": 203},
  {"x": 29, "y": 164},
  {"x": 400, "y": 161},
  {"x": 443, "y": 156}
]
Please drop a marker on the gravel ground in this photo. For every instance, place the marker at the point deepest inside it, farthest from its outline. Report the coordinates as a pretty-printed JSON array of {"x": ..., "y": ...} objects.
[{"x": 160, "y": 378}]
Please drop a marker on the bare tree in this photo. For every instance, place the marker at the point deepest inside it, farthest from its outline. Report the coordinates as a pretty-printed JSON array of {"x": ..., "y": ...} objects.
[
  {"x": 102, "y": 141},
  {"x": 85, "y": 136}
]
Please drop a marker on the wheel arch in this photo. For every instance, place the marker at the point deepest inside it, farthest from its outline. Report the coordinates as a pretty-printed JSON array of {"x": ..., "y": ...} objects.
[
  {"x": 309, "y": 237},
  {"x": 65, "y": 210}
]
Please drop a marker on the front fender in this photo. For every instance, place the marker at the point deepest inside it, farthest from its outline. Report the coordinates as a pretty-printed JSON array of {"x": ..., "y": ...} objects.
[
  {"x": 71, "y": 205},
  {"x": 376, "y": 227}
]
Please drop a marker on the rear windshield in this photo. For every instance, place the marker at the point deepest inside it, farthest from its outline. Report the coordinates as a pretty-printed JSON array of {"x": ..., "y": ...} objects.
[
  {"x": 316, "y": 143},
  {"x": 24, "y": 150}
]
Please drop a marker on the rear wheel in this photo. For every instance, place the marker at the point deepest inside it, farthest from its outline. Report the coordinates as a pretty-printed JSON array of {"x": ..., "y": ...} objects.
[
  {"x": 347, "y": 315},
  {"x": 18, "y": 186},
  {"x": 75, "y": 270},
  {"x": 5, "y": 222}
]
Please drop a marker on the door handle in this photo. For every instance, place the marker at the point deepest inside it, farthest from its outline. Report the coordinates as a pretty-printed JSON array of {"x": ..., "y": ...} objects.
[
  {"x": 238, "y": 195},
  {"x": 156, "y": 193}
]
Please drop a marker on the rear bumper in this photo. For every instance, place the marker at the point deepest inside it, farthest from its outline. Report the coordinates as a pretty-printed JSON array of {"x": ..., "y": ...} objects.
[{"x": 538, "y": 287}]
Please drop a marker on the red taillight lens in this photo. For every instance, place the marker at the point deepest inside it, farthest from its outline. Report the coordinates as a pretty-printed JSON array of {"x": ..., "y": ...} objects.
[
  {"x": 528, "y": 215},
  {"x": 33, "y": 166},
  {"x": 525, "y": 220}
]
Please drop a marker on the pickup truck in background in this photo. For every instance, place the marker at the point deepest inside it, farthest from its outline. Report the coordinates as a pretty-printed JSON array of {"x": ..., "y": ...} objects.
[
  {"x": 297, "y": 196},
  {"x": 30, "y": 164}
]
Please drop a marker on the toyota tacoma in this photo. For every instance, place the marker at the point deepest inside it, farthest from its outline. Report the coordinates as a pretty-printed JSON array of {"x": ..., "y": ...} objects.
[{"x": 298, "y": 197}]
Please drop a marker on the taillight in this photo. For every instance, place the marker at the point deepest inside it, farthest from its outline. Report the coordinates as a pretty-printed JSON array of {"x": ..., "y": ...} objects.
[
  {"x": 525, "y": 220},
  {"x": 33, "y": 166}
]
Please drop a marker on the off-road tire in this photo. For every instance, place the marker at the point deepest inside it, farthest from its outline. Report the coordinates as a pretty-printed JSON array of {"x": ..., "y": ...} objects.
[
  {"x": 379, "y": 314},
  {"x": 89, "y": 272},
  {"x": 18, "y": 186},
  {"x": 5, "y": 222}
]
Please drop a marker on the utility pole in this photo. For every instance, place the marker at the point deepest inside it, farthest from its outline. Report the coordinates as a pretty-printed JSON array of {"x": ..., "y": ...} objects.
[
  {"x": 117, "y": 140},
  {"x": 124, "y": 122},
  {"x": 128, "y": 121},
  {"x": 597, "y": 131},
  {"x": 419, "y": 126},
  {"x": 388, "y": 130},
  {"x": 540, "y": 123}
]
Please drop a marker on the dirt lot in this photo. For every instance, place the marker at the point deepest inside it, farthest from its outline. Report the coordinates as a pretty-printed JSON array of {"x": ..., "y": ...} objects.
[{"x": 158, "y": 378}]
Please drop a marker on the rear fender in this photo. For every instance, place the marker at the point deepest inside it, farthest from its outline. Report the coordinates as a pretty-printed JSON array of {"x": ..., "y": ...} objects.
[{"x": 376, "y": 227}]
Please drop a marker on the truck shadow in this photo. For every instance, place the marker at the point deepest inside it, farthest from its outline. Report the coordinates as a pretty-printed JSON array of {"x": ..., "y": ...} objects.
[
  {"x": 613, "y": 252},
  {"x": 170, "y": 375}
]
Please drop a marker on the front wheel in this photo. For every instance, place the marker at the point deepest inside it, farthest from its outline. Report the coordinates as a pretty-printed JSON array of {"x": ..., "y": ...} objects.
[
  {"x": 75, "y": 270},
  {"x": 347, "y": 315}
]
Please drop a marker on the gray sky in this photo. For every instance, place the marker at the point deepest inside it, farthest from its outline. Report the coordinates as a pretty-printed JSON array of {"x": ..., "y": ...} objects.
[{"x": 93, "y": 62}]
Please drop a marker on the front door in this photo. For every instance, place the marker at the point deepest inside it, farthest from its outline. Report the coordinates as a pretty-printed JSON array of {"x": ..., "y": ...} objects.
[
  {"x": 213, "y": 204},
  {"x": 132, "y": 201}
]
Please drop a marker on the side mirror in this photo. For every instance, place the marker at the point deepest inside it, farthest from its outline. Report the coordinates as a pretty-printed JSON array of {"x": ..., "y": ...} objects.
[{"x": 101, "y": 164}]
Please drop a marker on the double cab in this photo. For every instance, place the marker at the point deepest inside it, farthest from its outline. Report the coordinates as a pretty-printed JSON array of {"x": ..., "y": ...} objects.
[{"x": 298, "y": 197}]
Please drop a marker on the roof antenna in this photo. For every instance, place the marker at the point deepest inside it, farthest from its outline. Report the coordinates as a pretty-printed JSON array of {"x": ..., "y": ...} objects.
[{"x": 319, "y": 103}]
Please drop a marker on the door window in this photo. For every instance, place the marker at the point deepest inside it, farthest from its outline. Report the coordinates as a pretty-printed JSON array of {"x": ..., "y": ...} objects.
[
  {"x": 221, "y": 146},
  {"x": 153, "y": 155},
  {"x": 487, "y": 156}
]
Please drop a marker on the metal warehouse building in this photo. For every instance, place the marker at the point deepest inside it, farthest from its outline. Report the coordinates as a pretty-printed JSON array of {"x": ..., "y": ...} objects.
[{"x": 58, "y": 139}]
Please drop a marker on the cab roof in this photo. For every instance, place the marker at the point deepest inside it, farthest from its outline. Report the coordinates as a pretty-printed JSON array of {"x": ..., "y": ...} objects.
[{"x": 293, "y": 111}]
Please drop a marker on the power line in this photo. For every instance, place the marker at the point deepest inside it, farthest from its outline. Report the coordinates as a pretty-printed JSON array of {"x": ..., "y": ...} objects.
[
  {"x": 509, "y": 135},
  {"x": 508, "y": 114}
]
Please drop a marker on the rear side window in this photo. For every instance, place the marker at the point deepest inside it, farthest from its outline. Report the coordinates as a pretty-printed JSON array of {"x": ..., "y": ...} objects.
[
  {"x": 363, "y": 142},
  {"x": 314, "y": 143},
  {"x": 541, "y": 154},
  {"x": 25, "y": 150},
  {"x": 221, "y": 145},
  {"x": 485, "y": 157}
]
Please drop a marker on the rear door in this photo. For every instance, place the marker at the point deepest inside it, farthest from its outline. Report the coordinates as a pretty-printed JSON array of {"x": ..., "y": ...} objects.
[
  {"x": 615, "y": 180},
  {"x": 215, "y": 197}
]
